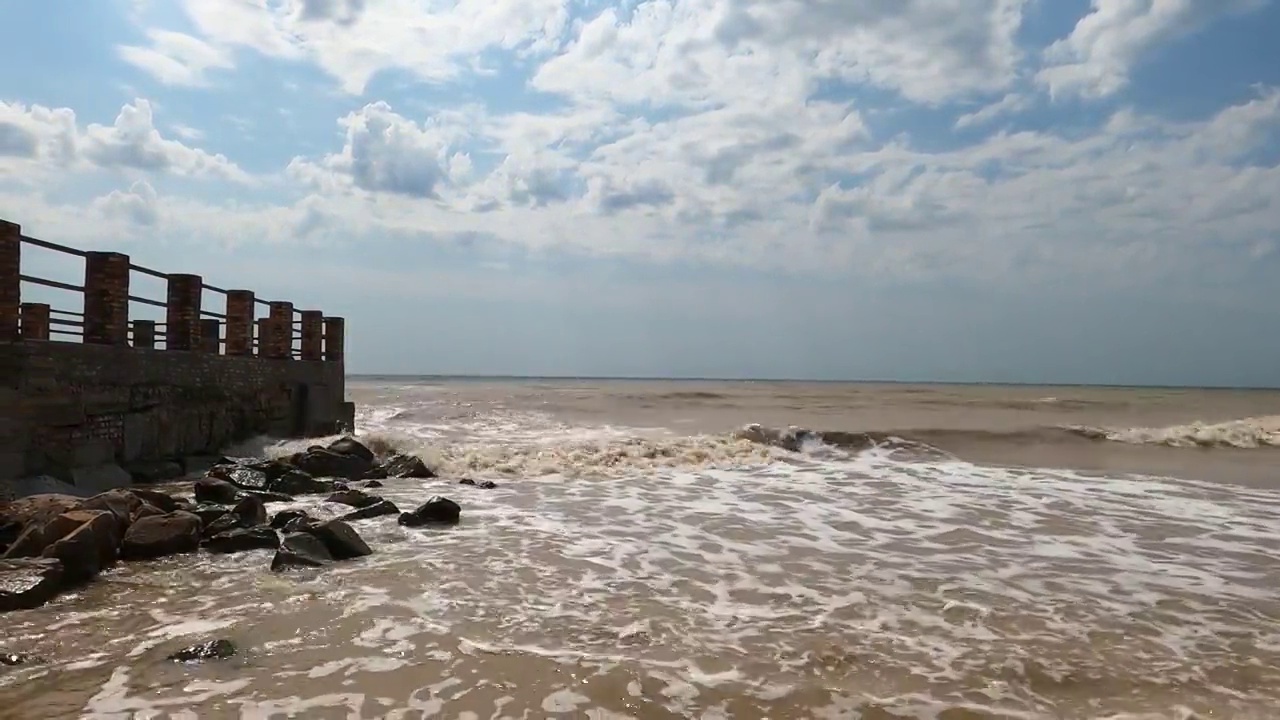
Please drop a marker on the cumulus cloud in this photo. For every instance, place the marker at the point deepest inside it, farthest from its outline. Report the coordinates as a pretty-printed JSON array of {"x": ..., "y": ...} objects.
[
  {"x": 1095, "y": 60},
  {"x": 176, "y": 58},
  {"x": 137, "y": 205},
  {"x": 386, "y": 152}
]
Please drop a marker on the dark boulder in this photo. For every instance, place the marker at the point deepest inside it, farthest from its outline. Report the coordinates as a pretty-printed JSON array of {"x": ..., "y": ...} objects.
[
  {"x": 152, "y": 537},
  {"x": 215, "y": 490},
  {"x": 208, "y": 512},
  {"x": 267, "y": 495},
  {"x": 321, "y": 462},
  {"x": 482, "y": 484},
  {"x": 221, "y": 524},
  {"x": 251, "y": 511},
  {"x": 285, "y": 518},
  {"x": 350, "y": 446},
  {"x": 163, "y": 501},
  {"x": 28, "y": 583},
  {"x": 378, "y": 509},
  {"x": 154, "y": 472},
  {"x": 34, "y": 509},
  {"x": 212, "y": 650},
  {"x": 372, "y": 484},
  {"x": 340, "y": 539},
  {"x": 406, "y": 466},
  {"x": 297, "y": 482},
  {"x": 354, "y": 498},
  {"x": 243, "y": 539},
  {"x": 122, "y": 503},
  {"x": 435, "y": 511},
  {"x": 242, "y": 476},
  {"x": 148, "y": 510},
  {"x": 300, "y": 549},
  {"x": 87, "y": 543}
]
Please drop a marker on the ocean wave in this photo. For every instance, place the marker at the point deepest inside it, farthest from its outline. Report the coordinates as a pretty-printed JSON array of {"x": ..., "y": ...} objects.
[{"x": 1246, "y": 433}]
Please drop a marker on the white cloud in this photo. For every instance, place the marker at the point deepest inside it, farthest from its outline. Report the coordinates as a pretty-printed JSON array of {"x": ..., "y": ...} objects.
[
  {"x": 385, "y": 152},
  {"x": 44, "y": 139},
  {"x": 176, "y": 58},
  {"x": 1096, "y": 59},
  {"x": 1010, "y": 104},
  {"x": 139, "y": 204}
]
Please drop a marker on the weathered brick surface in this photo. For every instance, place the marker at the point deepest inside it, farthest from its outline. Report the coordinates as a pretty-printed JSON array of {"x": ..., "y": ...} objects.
[
  {"x": 210, "y": 335},
  {"x": 312, "y": 343},
  {"x": 240, "y": 314},
  {"x": 34, "y": 318},
  {"x": 182, "y": 312},
  {"x": 68, "y": 404},
  {"x": 279, "y": 330},
  {"x": 144, "y": 334},
  {"x": 106, "y": 298},
  {"x": 10, "y": 279}
]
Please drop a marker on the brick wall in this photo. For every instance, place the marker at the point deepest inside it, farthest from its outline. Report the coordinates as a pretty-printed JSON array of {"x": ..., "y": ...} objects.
[{"x": 69, "y": 405}]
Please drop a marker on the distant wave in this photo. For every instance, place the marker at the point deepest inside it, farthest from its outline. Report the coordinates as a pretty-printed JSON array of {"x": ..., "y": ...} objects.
[{"x": 1247, "y": 433}]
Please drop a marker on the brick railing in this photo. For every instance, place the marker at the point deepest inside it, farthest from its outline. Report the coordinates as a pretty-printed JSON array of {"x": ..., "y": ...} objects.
[{"x": 283, "y": 334}]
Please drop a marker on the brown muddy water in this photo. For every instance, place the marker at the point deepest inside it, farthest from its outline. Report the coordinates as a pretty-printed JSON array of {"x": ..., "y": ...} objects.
[{"x": 928, "y": 552}]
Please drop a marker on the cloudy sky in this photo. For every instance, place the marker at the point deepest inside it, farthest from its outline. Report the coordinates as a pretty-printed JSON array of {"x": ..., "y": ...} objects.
[{"x": 991, "y": 190}]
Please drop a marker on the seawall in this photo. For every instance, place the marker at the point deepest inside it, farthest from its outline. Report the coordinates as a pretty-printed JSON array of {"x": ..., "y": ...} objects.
[{"x": 91, "y": 397}]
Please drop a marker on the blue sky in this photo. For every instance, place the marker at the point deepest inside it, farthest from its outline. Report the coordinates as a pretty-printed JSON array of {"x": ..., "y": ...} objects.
[{"x": 971, "y": 190}]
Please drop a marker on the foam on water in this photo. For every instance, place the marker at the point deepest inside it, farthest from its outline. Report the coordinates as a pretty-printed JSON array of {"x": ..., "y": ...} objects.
[
  {"x": 1247, "y": 433},
  {"x": 732, "y": 576}
]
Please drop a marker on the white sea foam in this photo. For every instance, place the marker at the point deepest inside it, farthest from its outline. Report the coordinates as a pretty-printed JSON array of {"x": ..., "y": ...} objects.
[
  {"x": 1255, "y": 432},
  {"x": 711, "y": 577}
]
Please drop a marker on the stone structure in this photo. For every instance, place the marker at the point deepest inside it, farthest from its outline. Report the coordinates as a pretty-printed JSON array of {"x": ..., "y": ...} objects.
[{"x": 101, "y": 400}]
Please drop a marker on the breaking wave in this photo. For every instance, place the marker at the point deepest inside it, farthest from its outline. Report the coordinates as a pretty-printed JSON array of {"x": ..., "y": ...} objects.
[{"x": 1248, "y": 433}]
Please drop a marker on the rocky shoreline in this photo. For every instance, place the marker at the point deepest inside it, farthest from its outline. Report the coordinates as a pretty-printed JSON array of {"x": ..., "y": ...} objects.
[{"x": 52, "y": 543}]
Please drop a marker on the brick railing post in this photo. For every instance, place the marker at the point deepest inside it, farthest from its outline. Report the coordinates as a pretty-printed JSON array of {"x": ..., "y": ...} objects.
[
  {"x": 240, "y": 311},
  {"x": 264, "y": 333},
  {"x": 334, "y": 337},
  {"x": 35, "y": 321},
  {"x": 210, "y": 335},
  {"x": 144, "y": 334},
  {"x": 280, "y": 330},
  {"x": 312, "y": 335},
  {"x": 10, "y": 279},
  {"x": 182, "y": 312},
  {"x": 106, "y": 298}
]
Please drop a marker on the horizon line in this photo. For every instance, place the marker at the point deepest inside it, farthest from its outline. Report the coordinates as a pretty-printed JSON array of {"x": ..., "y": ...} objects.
[{"x": 691, "y": 378}]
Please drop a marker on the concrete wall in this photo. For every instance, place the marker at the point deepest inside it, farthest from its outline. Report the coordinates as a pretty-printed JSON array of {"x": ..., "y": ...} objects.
[{"x": 70, "y": 405}]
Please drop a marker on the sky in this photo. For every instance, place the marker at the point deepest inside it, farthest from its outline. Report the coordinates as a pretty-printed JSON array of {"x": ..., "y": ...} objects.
[{"x": 1052, "y": 191}]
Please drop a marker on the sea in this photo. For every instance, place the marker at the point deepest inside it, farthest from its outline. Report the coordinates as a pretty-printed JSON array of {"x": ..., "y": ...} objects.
[{"x": 745, "y": 549}]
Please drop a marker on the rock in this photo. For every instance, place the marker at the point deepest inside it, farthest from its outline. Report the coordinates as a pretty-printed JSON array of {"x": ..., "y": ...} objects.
[
  {"x": 36, "y": 508},
  {"x": 483, "y": 484},
  {"x": 28, "y": 583},
  {"x": 212, "y": 650},
  {"x": 14, "y": 659},
  {"x": 87, "y": 542},
  {"x": 251, "y": 511},
  {"x": 242, "y": 476},
  {"x": 215, "y": 490},
  {"x": 340, "y": 539},
  {"x": 122, "y": 503},
  {"x": 372, "y": 484},
  {"x": 266, "y": 495},
  {"x": 350, "y": 446},
  {"x": 407, "y": 466},
  {"x": 208, "y": 513},
  {"x": 242, "y": 539},
  {"x": 320, "y": 462},
  {"x": 435, "y": 511},
  {"x": 354, "y": 498},
  {"x": 154, "y": 472},
  {"x": 152, "y": 537},
  {"x": 284, "y": 518},
  {"x": 300, "y": 549},
  {"x": 30, "y": 543},
  {"x": 9, "y": 532},
  {"x": 378, "y": 509},
  {"x": 100, "y": 478},
  {"x": 297, "y": 482},
  {"x": 228, "y": 521},
  {"x": 163, "y": 501},
  {"x": 377, "y": 472},
  {"x": 147, "y": 510}
]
